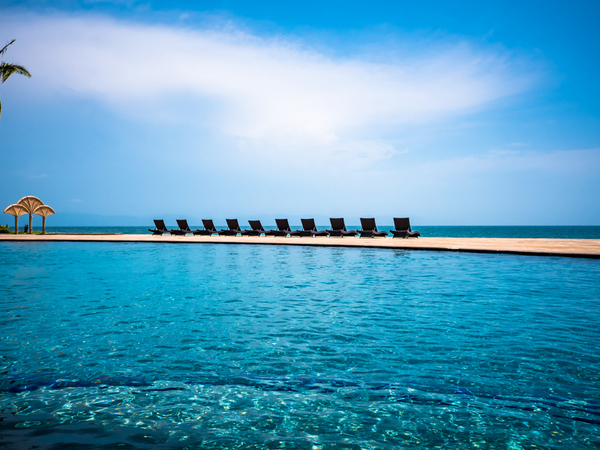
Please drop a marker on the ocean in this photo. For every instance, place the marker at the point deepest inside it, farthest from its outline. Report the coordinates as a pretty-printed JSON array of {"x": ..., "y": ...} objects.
[{"x": 550, "y": 232}]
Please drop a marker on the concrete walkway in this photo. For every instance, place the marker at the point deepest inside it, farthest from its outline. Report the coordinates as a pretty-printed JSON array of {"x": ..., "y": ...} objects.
[{"x": 580, "y": 248}]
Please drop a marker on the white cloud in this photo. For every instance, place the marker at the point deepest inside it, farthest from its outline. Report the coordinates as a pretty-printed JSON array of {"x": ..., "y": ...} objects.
[
  {"x": 582, "y": 163},
  {"x": 268, "y": 90},
  {"x": 498, "y": 188}
]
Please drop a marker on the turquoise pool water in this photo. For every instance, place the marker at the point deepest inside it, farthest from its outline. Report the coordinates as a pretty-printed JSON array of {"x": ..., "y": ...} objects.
[{"x": 221, "y": 346}]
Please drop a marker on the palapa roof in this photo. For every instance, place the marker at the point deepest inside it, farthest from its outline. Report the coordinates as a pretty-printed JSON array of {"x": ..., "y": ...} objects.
[
  {"x": 44, "y": 211},
  {"x": 30, "y": 203},
  {"x": 15, "y": 210}
]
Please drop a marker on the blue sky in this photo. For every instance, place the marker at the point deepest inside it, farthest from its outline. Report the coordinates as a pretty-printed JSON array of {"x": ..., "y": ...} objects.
[{"x": 471, "y": 113}]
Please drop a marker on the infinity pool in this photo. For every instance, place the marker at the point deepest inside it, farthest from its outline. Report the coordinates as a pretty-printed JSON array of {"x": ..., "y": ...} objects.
[{"x": 138, "y": 346}]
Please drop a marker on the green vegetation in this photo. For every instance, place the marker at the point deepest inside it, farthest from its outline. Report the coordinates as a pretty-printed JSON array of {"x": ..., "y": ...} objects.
[
  {"x": 6, "y": 69},
  {"x": 5, "y": 229}
]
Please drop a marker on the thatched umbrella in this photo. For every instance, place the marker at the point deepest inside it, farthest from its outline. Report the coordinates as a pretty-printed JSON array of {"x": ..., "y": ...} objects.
[
  {"x": 44, "y": 211},
  {"x": 30, "y": 203},
  {"x": 16, "y": 210}
]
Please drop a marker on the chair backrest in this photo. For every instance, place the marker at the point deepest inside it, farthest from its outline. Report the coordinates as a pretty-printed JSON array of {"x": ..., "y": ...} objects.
[
  {"x": 256, "y": 225},
  {"x": 160, "y": 224},
  {"x": 282, "y": 224},
  {"x": 338, "y": 224},
  {"x": 208, "y": 225},
  {"x": 183, "y": 225},
  {"x": 368, "y": 224},
  {"x": 402, "y": 223},
  {"x": 309, "y": 224},
  {"x": 233, "y": 224}
]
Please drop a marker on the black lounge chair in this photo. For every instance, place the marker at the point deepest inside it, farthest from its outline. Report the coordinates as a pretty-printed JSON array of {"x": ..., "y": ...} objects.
[
  {"x": 283, "y": 228},
  {"x": 338, "y": 228},
  {"x": 233, "y": 228},
  {"x": 183, "y": 226},
  {"x": 160, "y": 228},
  {"x": 258, "y": 229},
  {"x": 209, "y": 228},
  {"x": 369, "y": 229},
  {"x": 310, "y": 227},
  {"x": 403, "y": 230}
]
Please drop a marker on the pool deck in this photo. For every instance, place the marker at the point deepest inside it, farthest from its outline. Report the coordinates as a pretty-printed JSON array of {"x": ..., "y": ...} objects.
[{"x": 579, "y": 248}]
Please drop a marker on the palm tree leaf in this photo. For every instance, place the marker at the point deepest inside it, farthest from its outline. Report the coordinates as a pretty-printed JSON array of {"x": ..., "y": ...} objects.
[
  {"x": 6, "y": 70},
  {"x": 6, "y": 46}
]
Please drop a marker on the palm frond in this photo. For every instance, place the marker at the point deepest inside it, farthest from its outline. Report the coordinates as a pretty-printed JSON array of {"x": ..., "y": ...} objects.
[
  {"x": 0, "y": 109},
  {"x": 6, "y": 46},
  {"x": 6, "y": 70}
]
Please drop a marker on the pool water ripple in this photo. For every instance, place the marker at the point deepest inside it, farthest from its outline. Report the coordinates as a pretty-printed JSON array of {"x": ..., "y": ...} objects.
[{"x": 249, "y": 346}]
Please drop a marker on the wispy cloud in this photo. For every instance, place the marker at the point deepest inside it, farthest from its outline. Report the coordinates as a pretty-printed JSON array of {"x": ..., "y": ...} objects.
[
  {"x": 581, "y": 163},
  {"x": 266, "y": 91}
]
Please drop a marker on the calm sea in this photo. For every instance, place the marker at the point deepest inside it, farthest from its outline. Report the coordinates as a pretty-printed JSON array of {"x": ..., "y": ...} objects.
[
  {"x": 139, "y": 346},
  {"x": 554, "y": 232}
]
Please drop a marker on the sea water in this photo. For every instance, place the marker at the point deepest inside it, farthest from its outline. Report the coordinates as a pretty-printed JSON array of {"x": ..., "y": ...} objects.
[
  {"x": 134, "y": 345},
  {"x": 547, "y": 232}
]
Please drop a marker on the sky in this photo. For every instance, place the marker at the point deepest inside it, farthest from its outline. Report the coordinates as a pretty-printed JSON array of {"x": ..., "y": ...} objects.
[{"x": 450, "y": 113}]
